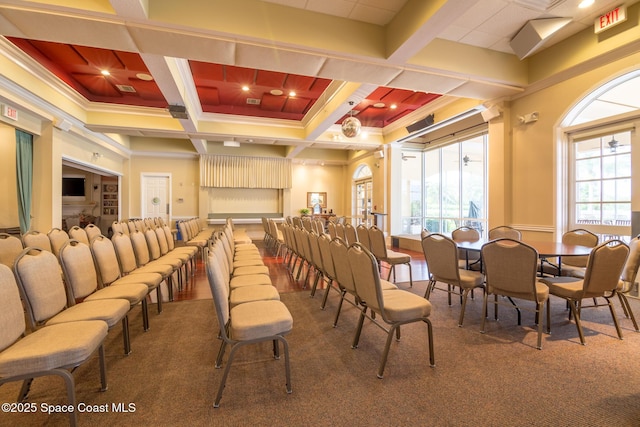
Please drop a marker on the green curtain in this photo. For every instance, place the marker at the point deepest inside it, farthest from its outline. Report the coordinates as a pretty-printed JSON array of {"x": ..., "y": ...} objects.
[{"x": 24, "y": 169}]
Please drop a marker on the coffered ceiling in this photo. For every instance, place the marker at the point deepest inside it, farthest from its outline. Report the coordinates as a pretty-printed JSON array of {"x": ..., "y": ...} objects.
[{"x": 281, "y": 72}]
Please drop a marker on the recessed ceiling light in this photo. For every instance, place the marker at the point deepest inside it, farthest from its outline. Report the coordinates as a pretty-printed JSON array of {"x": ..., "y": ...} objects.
[
  {"x": 292, "y": 93},
  {"x": 144, "y": 76},
  {"x": 393, "y": 106},
  {"x": 276, "y": 92},
  {"x": 105, "y": 72},
  {"x": 245, "y": 88},
  {"x": 379, "y": 105},
  {"x": 586, "y": 3}
]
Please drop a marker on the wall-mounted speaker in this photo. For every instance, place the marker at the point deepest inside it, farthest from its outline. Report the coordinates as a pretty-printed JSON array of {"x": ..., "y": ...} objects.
[
  {"x": 63, "y": 124},
  {"x": 421, "y": 124},
  {"x": 378, "y": 154},
  {"x": 490, "y": 113},
  {"x": 178, "y": 111}
]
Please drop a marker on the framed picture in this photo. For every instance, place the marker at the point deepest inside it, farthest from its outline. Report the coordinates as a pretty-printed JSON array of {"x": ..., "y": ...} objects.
[{"x": 317, "y": 198}]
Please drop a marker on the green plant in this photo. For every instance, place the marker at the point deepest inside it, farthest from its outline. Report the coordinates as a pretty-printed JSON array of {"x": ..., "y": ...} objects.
[{"x": 304, "y": 211}]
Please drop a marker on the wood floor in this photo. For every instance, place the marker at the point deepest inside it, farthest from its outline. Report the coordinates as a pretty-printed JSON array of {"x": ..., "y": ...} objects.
[{"x": 285, "y": 282}]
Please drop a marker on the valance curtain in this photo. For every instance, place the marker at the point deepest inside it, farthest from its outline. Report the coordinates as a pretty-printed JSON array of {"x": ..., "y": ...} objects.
[
  {"x": 24, "y": 170},
  {"x": 244, "y": 172}
]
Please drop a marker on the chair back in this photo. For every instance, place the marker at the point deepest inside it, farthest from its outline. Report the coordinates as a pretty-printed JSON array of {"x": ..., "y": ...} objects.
[
  {"x": 92, "y": 231},
  {"x": 324, "y": 244},
  {"x": 341, "y": 232},
  {"x": 140, "y": 247},
  {"x": 630, "y": 270},
  {"x": 377, "y": 243},
  {"x": 441, "y": 256},
  {"x": 350, "y": 234},
  {"x": 79, "y": 271},
  {"x": 124, "y": 251},
  {"x": 168, "y": 235},
  {"x": 331, "y": 228},
  {"x": 366, "y": 277},
  {"x": 296, "y": 221},
  {"x": 465, "y": 234},
  {"x": 36, "y": 239},
  {"x": 314, "y": 249},
  {"x": 306, "y": 223},
  {"x": 341, "y": 265},
  {"x": 13, "y": 323},
  {"x": 579, "y": 237},
  {"x": 40, "y": 281},
  {"x": 362, "y": 236},
  {"x": 79, "y": 234},
  {"x": 220, "y": 293},
  {"x": 510, "y": 268},
  {"x": 424, "y": 233},
  {"x": 57, "y": 238},
  {"x": 604, "y": 268},
  {"x": 152, "y": 243},
  {"x": 116, "y": 227},
  {"x": 504, "y": 232},
  {"x": 10, "y": 248},
  {"x": 105, "y": 259}
]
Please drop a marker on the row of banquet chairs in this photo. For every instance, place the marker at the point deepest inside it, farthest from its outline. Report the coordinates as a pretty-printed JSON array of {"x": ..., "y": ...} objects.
[
  {"x": 73, "y": 289},
  {"x": 247, "y": 305}
]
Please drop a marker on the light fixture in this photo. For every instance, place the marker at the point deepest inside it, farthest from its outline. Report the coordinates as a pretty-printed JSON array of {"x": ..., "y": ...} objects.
[
  {"x": 613, "y": 145},
  {"x": 95, "y": 156},
  {"x": 245, "y": 88},
  {"x": 105, "y": 72},
  {"x": 393, "y": 106},
  {"x": 292, "y": 93},
  {"x": 234, "y": 144},
  {"x": 351, "y": 125},
  {"x": 585, "y": 4}
]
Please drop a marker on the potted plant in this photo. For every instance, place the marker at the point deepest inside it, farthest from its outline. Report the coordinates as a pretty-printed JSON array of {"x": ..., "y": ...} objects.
[{"x": 304, "y": 211}]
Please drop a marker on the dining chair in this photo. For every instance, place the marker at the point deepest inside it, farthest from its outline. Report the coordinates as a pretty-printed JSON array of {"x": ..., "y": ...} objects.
[
  {"x": 504, "y": 232},
  {"x": 510, "y": 268},
  {"x": 248, "y": 323},
  {"x": 92, "y": 231},
  {"x": 52, "y": 350},
  {"x": 467, "y": 259},
  {"x": 378, "y": 247},
  {"x": 350, "y": 234},
  {"x": 39, "y": 278},
  {"x": 394, "y": 307},
  {"x": 627, "y": 280},
  {"x": 36, "y": 239},
  {"x": 10, "y": 248},
  {"x": 57, "y": 238},
  {"x": 362, "y": 233},
  {"x": 601, "y": 280},
  {"x": 572, "y": 265},
  {"x": 331, "y": 228},
  {"x": 79, "y": 234},
  {"x": 441, "y": 256},
  {"x": 81, "y": 280}
]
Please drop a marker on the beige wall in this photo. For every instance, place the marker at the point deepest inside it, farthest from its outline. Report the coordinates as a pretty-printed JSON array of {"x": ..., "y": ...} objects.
[{"x": 8, "y": 181}]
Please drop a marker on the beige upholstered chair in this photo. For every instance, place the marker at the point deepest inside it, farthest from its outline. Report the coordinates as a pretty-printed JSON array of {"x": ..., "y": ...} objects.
[
  {"x": 92, "y": 231},
  {"x": 627, "y": 280},
  {"x": 39, "y": 277},
  {"x": 57, "y": 238},
  {"x": 504, "y": 232},
  {"x": 177, "y": 261},
  {"x": 329, "y": 271},
  {"x": 109, "y": 273},
  {"x": 79, "y": 234},
  {"x": 441, "y": 255},
  {"x": 601, "y": 280},
  {"x": 362, "y": 233},
  {"x": 572, "y": 265},
  {"x": 395, "y": 307},
  {"x": 81, "y": 279},
  {"x": 378, "y": 246},
  {"x": 248, "y": 323},
  {"x": 331, "y": 228},
  {"x": 467, "y": 259},
  {"x": 10, "y": 248},
  {"x": 52, "y": 350},
  {"x": 35, "y": 239},
  {"x": 350, "y": 234},
  {"x": 511, "y": 271},
  {"x": 316, "y": 260}
]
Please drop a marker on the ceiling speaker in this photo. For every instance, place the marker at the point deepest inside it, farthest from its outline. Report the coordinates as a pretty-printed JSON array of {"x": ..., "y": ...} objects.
[
  {"x": 178, "y": 111},
  {"x": 421, "y": 124},
  {"x": 378, "y": 154},
  {"x": 490, "y": 113},
  {"x": 534, "y": 33}
]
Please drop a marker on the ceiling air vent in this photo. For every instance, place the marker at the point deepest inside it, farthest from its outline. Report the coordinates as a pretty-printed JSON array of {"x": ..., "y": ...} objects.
[
  {"x": 126, "y": 88},
  {"x": 253, "y": 101}
]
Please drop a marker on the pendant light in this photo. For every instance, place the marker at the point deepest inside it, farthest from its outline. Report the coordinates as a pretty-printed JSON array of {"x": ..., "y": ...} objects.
[{"x": 351, "y": 125}]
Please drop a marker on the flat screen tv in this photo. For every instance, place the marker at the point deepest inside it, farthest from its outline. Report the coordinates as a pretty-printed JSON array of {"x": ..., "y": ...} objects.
[{"x": 72, "y": 187}]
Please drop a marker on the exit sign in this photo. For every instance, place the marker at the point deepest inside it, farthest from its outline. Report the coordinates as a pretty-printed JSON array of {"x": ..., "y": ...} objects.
[
  {"x": 9, "y": 112},
  {"x": 610, "y": 19}
]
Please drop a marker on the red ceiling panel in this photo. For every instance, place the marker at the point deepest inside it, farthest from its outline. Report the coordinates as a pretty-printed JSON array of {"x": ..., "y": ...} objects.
[
  {"x": 65, "y": 56},
  {"x": 97, "y": 85},
  {"x": 396, "y": 96},
  {"x": 244, "y": 76},
  {"x": 298, "y": 83},
  {"x": 146, "y": 89},
  {"x": 132, "y": 62},
  {"x": 270, "y": 79},
  {"x": 205, "y": 73},
  {"x": 272, "y": 102},
  {"x": 297, "y": 105},
  {"x": 208, "y": 96},
  {"x": 102, "y": 59}
]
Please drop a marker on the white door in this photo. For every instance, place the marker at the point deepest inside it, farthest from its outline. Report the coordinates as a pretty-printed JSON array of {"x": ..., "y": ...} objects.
[{"x": 156, "y": 196}]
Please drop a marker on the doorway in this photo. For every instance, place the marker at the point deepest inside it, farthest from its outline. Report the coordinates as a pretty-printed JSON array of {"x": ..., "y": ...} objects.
[{"x": 156, "y": 195}]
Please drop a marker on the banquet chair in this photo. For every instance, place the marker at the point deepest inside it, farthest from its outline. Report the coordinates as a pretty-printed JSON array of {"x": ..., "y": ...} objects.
[
  {"x": 362, "y": 233},
  {"x": 468, "y": 260},
  {"x": 627, "y": 280},
  {"x": 316, "y": 260},
  {"x": 378, "y": 247},
  {"x": 394, "y": 307},
  {"x": 57, "y": 238},
  {"x": 81, "y": 279},
  {"x": 92, "y": 231},
  {"x": 39, "y": 278},
  {"x": 52, "y": 350},
  {"x": 441, "y": 256},
  {"x": 110, "y": 274},
  {"x": 511, "y": 271},
  {"x": 329, "y": 271},
  {"x": 36, "y": 239},
  {"x": 10, "y": 248},
  {"x": 601, "y": 279},
  {"x": 504, "y": 232},
  {"x": 572, "y": 265},
  {"x": 331, "y": 229},
  {"x": 156, "y": 255},
  {"x": 79, "y": 234},
  {"x": 247, "y": 323},
  {"x": 350, "y": 234}
]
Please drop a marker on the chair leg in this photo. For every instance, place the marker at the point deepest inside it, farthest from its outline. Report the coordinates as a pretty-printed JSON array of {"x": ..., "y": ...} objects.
[
  {"x": 125, "y": 335},
  {"x": 223, "y": 347},
  {"x": 103, "y": 369},
  {"x": 484, "y": 311},
  {"x": 539, "y": 308},
  {"x": 464, "y": 305},
  {"x": 432, "y": 356},
  {"x": 159, "y": 298},
  {"x": 576, "y": 313},
  {"x": 24, "y": 390},
  {"x": 385, "y": 353},
  {"x": 71, "y": 394},
  {"x": 627, "y": 310},
  {"x": 356, "y": 337},
  {"x": 342, "y": 295},
  {"x": 615, "y": 318},
  {"x": 326, "y": 293},
  {"x": 145, "y": 315},
  {"x": 216, "y": 404}
]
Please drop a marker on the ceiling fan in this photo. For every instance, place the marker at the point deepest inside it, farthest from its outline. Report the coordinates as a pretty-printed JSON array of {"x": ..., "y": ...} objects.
[
  {"x": 406, "y": 157},
  {"x": 614, "y": 144},
  {"x": 466, "y": 159}
]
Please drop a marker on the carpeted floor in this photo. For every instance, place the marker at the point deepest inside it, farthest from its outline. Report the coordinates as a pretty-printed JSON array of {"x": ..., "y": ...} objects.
[{"x": 495, "y": 379}]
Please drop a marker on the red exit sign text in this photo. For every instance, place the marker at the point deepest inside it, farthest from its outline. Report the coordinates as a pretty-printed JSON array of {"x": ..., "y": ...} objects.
[{"x": 610, "y": 19}]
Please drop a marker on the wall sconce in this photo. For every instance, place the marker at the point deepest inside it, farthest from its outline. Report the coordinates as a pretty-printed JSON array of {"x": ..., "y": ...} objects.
[
  {"x": 96, "y": 156},
  {"x": 528, "y": 118}
]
